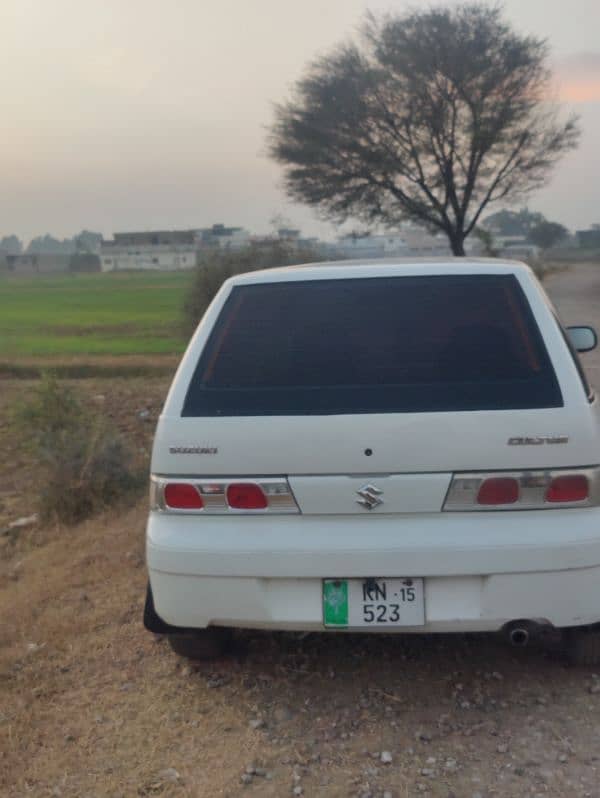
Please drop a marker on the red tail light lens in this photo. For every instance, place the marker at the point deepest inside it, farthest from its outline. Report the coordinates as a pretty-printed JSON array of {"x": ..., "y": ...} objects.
[
  {"x": 498, "y": 490},
  {"x": 568, "y": 488},
  {"x": 246, "y": 496},
  {"x": 182, "y": 496}
]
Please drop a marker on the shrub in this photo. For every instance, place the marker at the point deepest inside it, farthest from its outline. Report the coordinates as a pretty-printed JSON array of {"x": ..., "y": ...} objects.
[
  {"x": 215, "y": 267},
  {"x": 84, "y": 262},
  {"x": 85, "y": 464}
]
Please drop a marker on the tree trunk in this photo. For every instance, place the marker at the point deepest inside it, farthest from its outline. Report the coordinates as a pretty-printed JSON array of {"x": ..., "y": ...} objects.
[{"x": 457, "y": 240}]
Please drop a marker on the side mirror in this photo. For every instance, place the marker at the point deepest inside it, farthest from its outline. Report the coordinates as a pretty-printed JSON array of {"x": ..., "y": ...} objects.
[{"x": 584, "y": 339}]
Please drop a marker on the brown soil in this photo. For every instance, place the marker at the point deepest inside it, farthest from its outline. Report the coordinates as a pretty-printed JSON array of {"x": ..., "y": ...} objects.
[{"x": 92, "y": 705}]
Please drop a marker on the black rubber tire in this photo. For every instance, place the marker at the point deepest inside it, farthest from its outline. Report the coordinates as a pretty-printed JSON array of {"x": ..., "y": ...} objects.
[
  {"x": 152, "y": 621},
  {"x": 201, "y": 644},
  {"x": 583, "y": 647}
]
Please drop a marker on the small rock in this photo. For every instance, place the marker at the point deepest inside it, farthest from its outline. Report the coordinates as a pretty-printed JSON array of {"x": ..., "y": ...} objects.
[
  {"x": 425, "y": 737},
  {"x": 126, "y": 688},
  {"x": 26, "y": 520},
  {"x": 477, "y": 795},
  {"x": 143, "y": 415},
  {"x": 257, "y": 723},
  {"x": 282, "y": 713},
  {"x": 297, "y": 790},
  {"x": 386, "y": 757},
  {"x": 250, "y": 770},
  {"x": 262, "y": 772},
  {"x": 428, "y": 772},
  {"x": 594, "y": 688},
  {"x": 502, "y": 748},
  {"x": 246, "y": 778},
  {"x": 169, "y": 774},
  {"x": 387, "y": 794},
  {"x": 563, "y": 758}
]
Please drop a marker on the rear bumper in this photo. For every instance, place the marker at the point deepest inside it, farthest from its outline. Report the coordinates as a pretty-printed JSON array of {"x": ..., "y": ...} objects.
[{"x": 481, "y": 570}]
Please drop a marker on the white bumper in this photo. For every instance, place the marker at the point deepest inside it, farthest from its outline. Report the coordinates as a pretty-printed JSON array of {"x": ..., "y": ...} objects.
[{"x": 481, "y": 570}]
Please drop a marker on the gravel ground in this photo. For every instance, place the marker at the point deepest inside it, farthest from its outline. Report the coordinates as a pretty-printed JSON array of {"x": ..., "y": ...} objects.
[{"x": 92, "y": 705}]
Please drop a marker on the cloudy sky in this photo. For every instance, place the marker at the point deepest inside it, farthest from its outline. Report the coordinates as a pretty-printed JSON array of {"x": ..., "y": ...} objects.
[{"x": 139, "y": 114}]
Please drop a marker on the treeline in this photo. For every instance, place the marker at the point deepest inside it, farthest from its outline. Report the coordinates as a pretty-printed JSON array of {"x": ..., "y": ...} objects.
[{"x": 84, "y": 242}]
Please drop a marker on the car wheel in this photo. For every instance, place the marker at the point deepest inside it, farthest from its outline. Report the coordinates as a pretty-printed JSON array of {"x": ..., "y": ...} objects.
[
  {"x": 583, "y": 647},
  {"x": 202, "y": 644}
]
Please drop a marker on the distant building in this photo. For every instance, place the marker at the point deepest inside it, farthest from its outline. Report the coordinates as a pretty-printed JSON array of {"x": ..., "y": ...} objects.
[
  {"x": 522, "y": 251},
  {"x": 43, "y": 263},
  {"x": 423, "y": 244},
  {"x": 409, "y": 240},
  {"x": 366, "y": 245},
  {"x": 589, "y": 239},
  {"x": 220, "y": 237},
  {"x": 165, "y": 250}
]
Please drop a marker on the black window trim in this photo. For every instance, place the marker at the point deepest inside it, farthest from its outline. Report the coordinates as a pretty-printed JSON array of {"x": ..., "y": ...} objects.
[{"x": 526, "y": 307}]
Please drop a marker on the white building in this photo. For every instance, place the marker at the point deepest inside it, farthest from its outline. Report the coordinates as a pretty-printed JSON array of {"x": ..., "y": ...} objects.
[
  {"x": 220, "y": 237},
  {"x": 365, "y": 245},
  {"x": 410, "y": 240},
  {"x": 165, "y": 250}
]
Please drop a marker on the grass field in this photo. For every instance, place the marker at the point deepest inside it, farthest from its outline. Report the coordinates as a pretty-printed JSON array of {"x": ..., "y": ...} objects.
[{"x": 135, "y": 313}]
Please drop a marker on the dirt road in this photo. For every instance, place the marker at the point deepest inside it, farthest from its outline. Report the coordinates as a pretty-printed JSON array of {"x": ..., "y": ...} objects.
[{"x": 92, "y": 705}]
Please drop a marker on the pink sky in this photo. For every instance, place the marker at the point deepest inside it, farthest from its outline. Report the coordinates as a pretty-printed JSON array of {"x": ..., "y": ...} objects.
[{"x": 148, "y": 113}]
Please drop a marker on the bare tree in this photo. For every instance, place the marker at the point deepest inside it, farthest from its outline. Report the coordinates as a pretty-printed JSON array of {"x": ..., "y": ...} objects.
[{"x": 432, "y": 116}]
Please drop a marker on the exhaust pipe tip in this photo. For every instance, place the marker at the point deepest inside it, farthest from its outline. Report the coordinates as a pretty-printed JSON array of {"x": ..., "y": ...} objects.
[{"x": 519, "y": 636}]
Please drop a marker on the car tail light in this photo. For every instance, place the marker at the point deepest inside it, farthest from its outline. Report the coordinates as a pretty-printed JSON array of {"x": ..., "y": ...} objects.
[
  {"x": 498, "y": 490},
  {"x": 182, "y": 496},
  {"x": 222, "y": 496},
  {"x": 246, "y": 496},
  {"x": 524, "y": 490},
  {"x": 568, "y": 488}
]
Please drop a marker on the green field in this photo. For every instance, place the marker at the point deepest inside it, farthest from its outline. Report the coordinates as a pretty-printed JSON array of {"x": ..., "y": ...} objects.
[{"x": 135, "y": 313}]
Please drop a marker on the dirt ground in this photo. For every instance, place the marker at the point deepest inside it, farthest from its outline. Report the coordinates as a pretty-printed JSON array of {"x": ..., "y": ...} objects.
[{"x": 92, "y": 705}]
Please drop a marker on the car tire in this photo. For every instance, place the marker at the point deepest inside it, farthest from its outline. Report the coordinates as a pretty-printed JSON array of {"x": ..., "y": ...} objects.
[
  {"x": 583, "y": 647},
  {"x": 202, "y": 644}
]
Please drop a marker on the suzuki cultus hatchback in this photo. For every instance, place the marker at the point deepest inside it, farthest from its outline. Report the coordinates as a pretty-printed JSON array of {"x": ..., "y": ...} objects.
[{"x": 378, "y": 447}]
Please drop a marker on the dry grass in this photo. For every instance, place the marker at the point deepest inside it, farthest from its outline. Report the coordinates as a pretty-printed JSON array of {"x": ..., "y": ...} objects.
[
  {"x": 89, "y": 367},
  {"x": 91, "y": 704}
]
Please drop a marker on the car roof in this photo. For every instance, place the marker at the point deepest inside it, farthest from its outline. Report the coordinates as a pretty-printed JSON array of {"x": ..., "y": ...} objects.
[{"x": 382, "y": 267}]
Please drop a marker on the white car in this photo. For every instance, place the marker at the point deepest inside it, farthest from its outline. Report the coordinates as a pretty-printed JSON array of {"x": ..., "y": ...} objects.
[{"x": 378, "y": 447}]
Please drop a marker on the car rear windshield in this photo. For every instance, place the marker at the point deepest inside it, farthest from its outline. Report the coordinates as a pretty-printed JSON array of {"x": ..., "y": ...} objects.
[{"x": 375, "y": 345}]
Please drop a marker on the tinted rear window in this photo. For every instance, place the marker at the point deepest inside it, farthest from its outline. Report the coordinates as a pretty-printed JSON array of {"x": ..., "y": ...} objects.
[{"x": 376, "y": 345}]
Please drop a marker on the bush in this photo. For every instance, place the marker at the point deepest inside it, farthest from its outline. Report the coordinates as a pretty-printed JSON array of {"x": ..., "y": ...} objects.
[
  {"x": 85, "y": 464},
  {"x": 216, "y": 267},
  {"x": 84, "y": 262}
]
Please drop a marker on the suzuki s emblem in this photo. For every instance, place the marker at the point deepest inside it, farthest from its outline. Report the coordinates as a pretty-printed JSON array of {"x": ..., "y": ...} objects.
[{"x": 369, "y": 497}]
